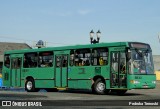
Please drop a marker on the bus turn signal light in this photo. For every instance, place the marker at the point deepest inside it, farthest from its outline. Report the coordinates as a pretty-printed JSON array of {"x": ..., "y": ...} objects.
[{"x": 134, "y": 82}]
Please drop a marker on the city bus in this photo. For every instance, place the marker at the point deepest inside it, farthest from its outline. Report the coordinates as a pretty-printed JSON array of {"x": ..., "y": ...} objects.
[{"x": 102, "y": 68}]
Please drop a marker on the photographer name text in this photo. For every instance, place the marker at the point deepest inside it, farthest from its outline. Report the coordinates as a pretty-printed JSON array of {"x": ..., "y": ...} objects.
[{"x": 143, "y": 103}]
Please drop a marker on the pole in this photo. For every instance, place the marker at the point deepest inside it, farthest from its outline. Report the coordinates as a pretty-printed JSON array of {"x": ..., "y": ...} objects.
[{"x": 159, "y": 37}]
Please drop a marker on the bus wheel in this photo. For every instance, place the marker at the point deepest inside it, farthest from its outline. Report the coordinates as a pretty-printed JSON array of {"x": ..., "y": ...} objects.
[
  {"x": 30, "y": 85},
  {"x": 99, "y": 87},
  {"x": 121, "y": 92}
]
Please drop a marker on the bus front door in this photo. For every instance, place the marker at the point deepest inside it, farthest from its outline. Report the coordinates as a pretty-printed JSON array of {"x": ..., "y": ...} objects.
[
  {"x": 118, "y": 69},
  {"x": 16, "y": 71},
  {"x": 61, "y": 71}
]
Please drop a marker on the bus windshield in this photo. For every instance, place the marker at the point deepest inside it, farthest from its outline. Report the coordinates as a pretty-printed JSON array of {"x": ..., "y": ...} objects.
[{"x": 141, "y": 62}]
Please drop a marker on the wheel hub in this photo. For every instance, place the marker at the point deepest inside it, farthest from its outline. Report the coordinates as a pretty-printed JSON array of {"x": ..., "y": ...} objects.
[
  {"x": 100, "y": 87},
  {"x": 29, "y": 85}
]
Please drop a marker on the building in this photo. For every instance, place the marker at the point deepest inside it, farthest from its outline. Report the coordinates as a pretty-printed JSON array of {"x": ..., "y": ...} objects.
[
  {"x": 156, "y": 61},
  {"x": 4, "y": 46}
]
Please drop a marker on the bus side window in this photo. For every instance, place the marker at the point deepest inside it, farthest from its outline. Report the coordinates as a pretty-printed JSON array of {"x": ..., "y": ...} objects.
[
  {"x": 100, "y": 56},
  {"x": 76, "y": 58},
  {"x": 7, "y": 61},
  {"x": 82, "y": 57},
  {"x": 30, "y": 60},
  {"x": 18, "y": 63},
  {"x": 13, "y": 66},
  {"x": 65, "y": 61},
  {"x": 123, "y": 62},
  {"x": 25, "y": 63},
  {"x": 58, "y": 62},
  {"x": 45, "y": 59},
  {"x": 72, "y": 58},
  {"x": 115, "y": 62}
]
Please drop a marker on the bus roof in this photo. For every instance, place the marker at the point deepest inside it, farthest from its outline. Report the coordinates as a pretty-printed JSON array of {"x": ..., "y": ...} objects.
[{"x": 112, "y": 44}]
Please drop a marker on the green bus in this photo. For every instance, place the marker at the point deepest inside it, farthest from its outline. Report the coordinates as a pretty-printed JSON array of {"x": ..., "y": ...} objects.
[{"x": 102, "y": 68}]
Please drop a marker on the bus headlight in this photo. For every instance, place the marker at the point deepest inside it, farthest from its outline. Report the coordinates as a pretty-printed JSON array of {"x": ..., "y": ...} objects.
[
  {"x": 154, "y": 82},
  {"x": 134, "y": 82}
]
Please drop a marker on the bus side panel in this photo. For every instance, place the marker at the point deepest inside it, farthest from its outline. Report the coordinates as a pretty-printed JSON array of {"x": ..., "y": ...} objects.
[
  {"x": 80, "y": 84},
  {"x": 6, "y": 76},
  {"x": 80, "y": 77},
  {"x": 41, "y": 76},
  {"x": 44, "y": 83},
  {"x": 23, "y": 82},
  {"x": 72, "y": 83},
  {"x": 105, "y": 73}
]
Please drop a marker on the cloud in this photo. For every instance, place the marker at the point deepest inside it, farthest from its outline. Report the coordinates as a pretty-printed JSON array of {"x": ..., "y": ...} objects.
[{"x": 84, "y": 11}]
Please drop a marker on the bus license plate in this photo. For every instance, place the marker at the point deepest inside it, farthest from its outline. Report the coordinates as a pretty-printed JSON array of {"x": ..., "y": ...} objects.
[{"x": 145, "y": 86}]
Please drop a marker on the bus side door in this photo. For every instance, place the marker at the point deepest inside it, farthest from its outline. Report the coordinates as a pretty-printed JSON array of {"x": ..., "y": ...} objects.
[
  {"x": 16, "y": 63},
  {"x": 61, "y": 70},
  {"x": 118, "y": 67}
]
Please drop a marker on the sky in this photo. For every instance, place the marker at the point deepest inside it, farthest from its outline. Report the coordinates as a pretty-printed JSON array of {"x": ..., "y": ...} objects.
[{"x": 68, "y": 22}]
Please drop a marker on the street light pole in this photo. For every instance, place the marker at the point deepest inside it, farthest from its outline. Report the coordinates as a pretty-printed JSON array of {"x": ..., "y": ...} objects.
[
  {"x": 94, "y": 41},
  {"x": 159, "y": 37}
]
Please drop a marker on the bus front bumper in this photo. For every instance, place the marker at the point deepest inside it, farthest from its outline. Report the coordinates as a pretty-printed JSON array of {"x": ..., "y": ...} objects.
[{"x": 141, "y": 85}]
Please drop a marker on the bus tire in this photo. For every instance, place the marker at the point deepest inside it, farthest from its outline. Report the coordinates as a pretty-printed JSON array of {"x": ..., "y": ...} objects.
[
  {"x": 121, "y": 92},
  {"x": 30, "y": 85},
  {"x": 99, "y": 87}
]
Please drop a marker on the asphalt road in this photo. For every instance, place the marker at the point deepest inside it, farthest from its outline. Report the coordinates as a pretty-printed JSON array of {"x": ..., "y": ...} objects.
[{"x": 78, "y": 98}]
